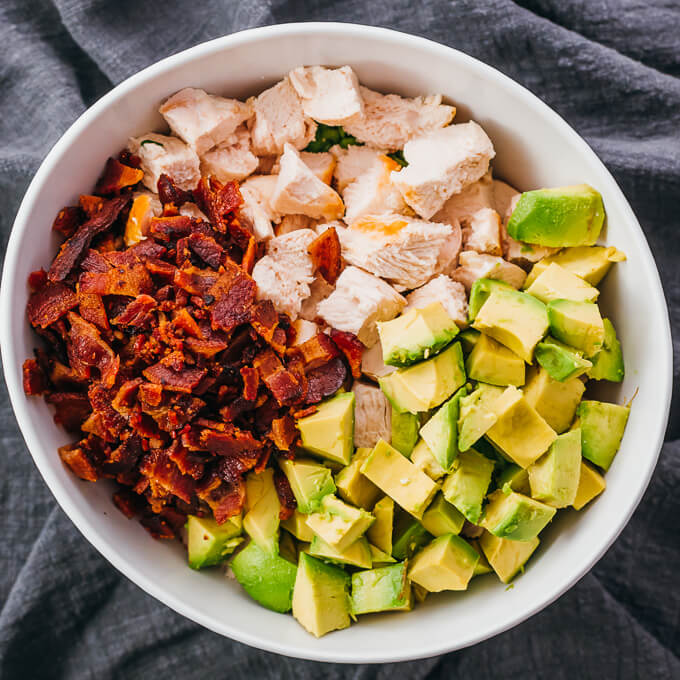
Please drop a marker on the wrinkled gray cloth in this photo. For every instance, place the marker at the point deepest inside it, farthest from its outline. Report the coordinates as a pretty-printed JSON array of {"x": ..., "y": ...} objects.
[{"x": 611, "y": 68}]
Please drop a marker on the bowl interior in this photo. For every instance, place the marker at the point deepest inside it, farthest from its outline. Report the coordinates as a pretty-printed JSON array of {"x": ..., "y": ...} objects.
[{"x": 534, "y": 148}]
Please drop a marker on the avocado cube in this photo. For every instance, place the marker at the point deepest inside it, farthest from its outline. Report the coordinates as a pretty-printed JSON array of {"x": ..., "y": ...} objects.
[
  {"x": 261, "y": 521},
  {"x": 468, "y": 339},
  {"x": 560, "y": 361},
  {"x": 558, "y": 217},
  {"x": 515, "y": 516},
  {"x": 320, "y": 596},
  {"x": 554, "y": 401},
  {"x": 482, "y": 567},
  {"x": 476, "y": 414},
  {"x": 427, "y": 384},
  {"x": 442, "y": 517},
  {"x": 208, "y": 542},
  {"x": 309, "y": 481},
  {"x": 590, "y": 484},
  {"x": 467, "y": 485},
  {"x": 358, "y": 554},
  {"x": 506, "y": 557},
  {"x": 515, "y": 477},
  {"x": 409, "y": 536},
  {"x": 329, "y": 433},
  {"x": 381, "y": 590},
  {"x": 352, "y": 486},
  {"x": 608, "y": 362},
  {"x": 554, "y": 477},
  {"x": 380, "y": 558},
  {"x": 440, "y": 432},
  {"x": 448, "y": 563},
  {"x": 416, "y": 335},
  {"x": 380, "y": 532},
  {"x": 517, "y": 320},
  {"x": 423, "y": 458},
  {"x": 558, "y": 283},
  {"x": 493, "y": 363},
  {"x": 399, "y": 478},
  {"x": 296, "y": 525},
  {"x": 404, "y": 431},
  {"x": 577, "y": 324},
  {"x": 519, "y": 432},
  {"x": 339, "y": 524},
  {"x": 480, "y": 291},
  {"x": 602, "y": 427},
  {"x": 267, "y": 577}
]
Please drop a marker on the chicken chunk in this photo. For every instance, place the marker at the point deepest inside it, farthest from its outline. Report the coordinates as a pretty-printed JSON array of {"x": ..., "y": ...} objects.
[
  {"x": 442, "y": 289},
  {"x": 329, "y": 96},
  {"x": 389, "y": 121},
  {"x": 285, "y": 273},
  {"x": 482, "y": 232},
  {"x": 320, "y": 289},
  {"x": 299, "y": 191},
  {"x": 257, "y": 211},
  {"x": 203, "y": 120},
  {"x": 353, "y": 162},
  {"x": 279, "y": 120},
  {"x": 231, "y": 159},
  {"x": 304, "y": 330},
  {"x": 504, "y": 196},
  {"x": 160, "y": 154},
  {"x": 291, "y": 223},
  {"x": 468, "y": 201},
  {"x": 372, "y": 415},
  {"x": 321, "y": 164},
  {"x": 441, "y": 164},
  {"x": 372, "y": 364},
  {"x": 358, "y": 302},
  {"x": 473, "y": 266}
]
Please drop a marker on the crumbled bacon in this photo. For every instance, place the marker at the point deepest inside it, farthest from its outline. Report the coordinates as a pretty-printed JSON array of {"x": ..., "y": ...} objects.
[
  {"x": 116, "y": 177},
  {"x": 87, "y": 350},
  {"x": 169, "y": 192},
  {"x": 325, "y": 380},
  {"x": 325, "y": 253},
  {"x": 34, "y": 378},
  {"x": 207, "y": 248},
  {"x": 172, "y": 373},
  {"x": 285, "y": 493},
  {"x": 284, "y": 433},
  {"x": 251, "y": 381},
  {"x": 50, "y": 303},
  {"x": 351, "y": 347},
  {"x": 75, "y": 457},
  {"x": 71, "y": 409},
  {"x": 67, "y": 220},
  {"x": 234, "y": 295},
  {"x": 317, "y": 351}
]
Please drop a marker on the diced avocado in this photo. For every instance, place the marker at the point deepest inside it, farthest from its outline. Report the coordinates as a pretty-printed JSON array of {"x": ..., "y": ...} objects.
[
  {"x": 353, "y": 487},
  {"x": 329, "y": 433},
  {"x": 409, "y": 536},
  {"x": 480, "y": 291},
  {"x": 416, "y": 335},
  {"x": 559, "y": 360},
  {"x": 515, "y": 516},
  {"x": 602, "y": 427},
  {"x": 338, "y": 523},
  {"x": 558, "y": 283},
  {"x": 423, "y": 458},
  {"x": 404, "y": 431},
  {"x": 517, "y": 320},
  {"x": 296, "y": 525},
  {"x": 267, "y": 577},
  {"x": 467, "y": 485},
  {"x": 608, "y": 362},
  {"x": 558, "y": 217},
  {"x": 380, "y": 558},
  {"x": 553, "y": 478},
  {"x": 468, "y": 339},
  {"x": 590, "y": 484},
  {"x": 440, "y": 432},
  {"x": 448, "y": 563},
  {"x": 442, "y": 517},
  {"x": 506, "y": 557},
  {"x": 519, "y": 432},
  {"x": 577, "y": 324},
  {"x": 321, "y": 596},
  {"x": 399, "y": 478},
  {"x": 380, "y": 532},
  {"x": 381, "y": 590},
  {"x": 209, "y": 542},
  {"x": 358, "y": 554},
  {"x": 554, "y": 401},
  {"x": 288, "y": 547},
  {"x": 493, "y": 363},
  {"x": 482, "y": 567},
  {"x": 419, "y": 593},
  {"x": 515, "y": 477},
  {"x": 309, "y": 481},
  {"x": 425, "y": 385},
  {"x": 261, "y": 521},
  {"x": 476, "y": 414}
]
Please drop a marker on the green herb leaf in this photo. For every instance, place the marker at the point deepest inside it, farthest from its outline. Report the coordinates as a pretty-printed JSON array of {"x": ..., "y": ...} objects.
[
  {"x": 150, "y": 141},
  {"x": 398, "y": 156},
  {"x": 330, "y": 135}
]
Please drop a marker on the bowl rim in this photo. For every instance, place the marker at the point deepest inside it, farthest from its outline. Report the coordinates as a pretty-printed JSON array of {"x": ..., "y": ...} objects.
[{"x": 15, "y": 390}]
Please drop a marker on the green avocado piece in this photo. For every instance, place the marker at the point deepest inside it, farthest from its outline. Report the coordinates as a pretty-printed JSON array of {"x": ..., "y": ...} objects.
[
  {"x": 380, "y": 590},
  {"x": 208, "y": 542},
  {"x": 493, "y": 363},
  {"x": 558, "y": 217},
  {"x": 590, "y": 484},
  {"x": 554, "y": 477},
  {"x": 482, "y": 567},
  {"x": 404, "y": 431},
  {"x": 467, "y": 485},
  {"x": 424, "y": 459},
  {"x": 261, "y": 521},
  {"x": 408, "y": 537},
  {"x": 442, "y": 517},
  {"x": 558, "y": 283},
  {"x": 602, "y": 427},
  {"x": 476, "y": 414},
  {"x": 559, "y": 360},
  {"x": 468, "y": 339},
  {"x": 440, "y": 432},
  {"x": 447, "y": 563},
  {"x": 352, "y": 486},
  {"x": 515, "y": 516},
  {"x": 380, "y": 558},
  {"x": 553, "y": 400},
  {"x": 479, "y": 293},
  {"x": 296, "y": 525},
  {"x": 329, "y": 433},
  {"x": 515, "y": 477},
  {"x": 309, "y": 481},
  {"x": 380, "y": 532},
  {"x": 321, "y": 596},
  {"x": 416, "y": 335},
  {"x": 358, "y": 554},
  {"x": 506, "y": 557},
  {"x": 577, "y": 324},
  {"x": 268, "y": 578},
  {"x": 338, "y": 523},
  {"x": 608, "y": 362}
]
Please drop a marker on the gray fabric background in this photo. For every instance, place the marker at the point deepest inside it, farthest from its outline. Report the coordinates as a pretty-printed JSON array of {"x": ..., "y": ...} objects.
[{"x": 611, "y": 68}]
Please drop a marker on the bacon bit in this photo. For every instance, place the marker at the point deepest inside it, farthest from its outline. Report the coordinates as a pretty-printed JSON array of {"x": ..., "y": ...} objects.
[
  {"x": 34, "y": 378},
  {"x": 131, "y": 280},
  {"x": 169, "y": 192},
  {"x": 284, "y": 433},
  {"x": 164, "y": 475},
  {"x": 91, "y": 308},
  {"x": 72, "y": 409},
  {"x": 148, "y": 249},
  {"x": 125, "y": 398},
  {"x": 325, "y": 380},
  {"x": 160, "y": 268},
  {"x": 90, "y": 205},
  {"x": 283, "y": 385},
  {"x": 217, "y": 201},
  {"x": 325, "y": 252},
  {"x": 185, "y": 322},
  {"x": 50, "y": 303},
  {"x": 316, "y": 351},
  {"x": 137, "y": 313},
  {"x": 195, "y": 281},
  {"x": 230, "y": 469},
  {"x": 303, "y": 413},
  {"x": 37, "y": 280},
  {"x": 225, "y": 499},
  {"x": 251, "y": 381},
  {"x": 67, "y": 220},
  {"x": 231, "y": 442},
  {"x": 150, "y": 393},
  {"x": 128, "y": 502},
  {"x": 207, "y": 248},
  {"x": 206, "y": 348},
  {"x": 116, "y": 177},
  {"x": 112, "y": 422},
  {"x": 248, "y": 259},
  {"x": 172, "y": 374},
  {"x": 264, "y": 319},
  {"x": 234, "y": 294},
  {"x": 86, "y": 350},
  {"x": 351, "y": 347},
  {"x": 285, "y": 494},
  {"x": 158, "y": 527},
  {"x": 167, "y": 228},
  {"x": 94, "y": 261},
  {"x": 75, "y": 458}
]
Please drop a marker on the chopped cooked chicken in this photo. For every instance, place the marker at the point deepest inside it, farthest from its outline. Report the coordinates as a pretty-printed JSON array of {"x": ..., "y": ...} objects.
[
  {"x": 389, "y": 121},
  {"x": 279, "y": 120},
  {"x": 329, "y": 96},
  {"x": 442, "y": 289},
  {"x": 468, "y": 201},
  {"x": 304, "y": 330},
  {"x": 203, "y": 120},
  {"x": 482, "y": 232},
  {"x": 448, "y": 257},
  {"x": 372, "y": 364},
  {"x": 504, "y": 198},
  {"x": 372, "y": 415},
  {"x": 145, "y": 205},
  {"x": 338, "y": 225},
  {"x": 473, "y": 266},
  {"x": 299, "y": 191},
  {"x": 320, "y": 289},
  {"x": 231, "y": 159},
  {"x": 290, "y": 223},
  {"x": 266, "y": 165},
  {"x": 285, "y": 273},
  {"x": 358, "y": 302},
  {"x": 160, "y": 154},
  {"x": 442, "y": 163},
  {"x": 321, "y": 164},
  {"x": 353, "y": 162},
  {"x": 257, "y": 212}
]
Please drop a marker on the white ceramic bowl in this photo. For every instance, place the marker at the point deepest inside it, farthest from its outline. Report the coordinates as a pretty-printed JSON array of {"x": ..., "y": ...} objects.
[{"x": 535, "y": 147}]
